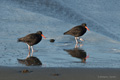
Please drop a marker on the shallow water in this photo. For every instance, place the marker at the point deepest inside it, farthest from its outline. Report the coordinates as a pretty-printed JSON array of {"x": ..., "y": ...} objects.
[{"x": 53, "y": 19}]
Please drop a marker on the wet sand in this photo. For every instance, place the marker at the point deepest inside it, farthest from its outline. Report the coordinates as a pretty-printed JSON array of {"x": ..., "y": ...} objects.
[{"x": 39, "y": 73}]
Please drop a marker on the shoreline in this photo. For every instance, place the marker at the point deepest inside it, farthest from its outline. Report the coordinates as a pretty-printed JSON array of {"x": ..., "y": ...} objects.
[{"x": 55, "y": 73}]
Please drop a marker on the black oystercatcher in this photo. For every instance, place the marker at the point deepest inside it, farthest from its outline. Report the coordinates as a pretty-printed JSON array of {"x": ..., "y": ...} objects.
[
  {"x": 32, "y": 39},
  {"x": 77, "y": 31}
]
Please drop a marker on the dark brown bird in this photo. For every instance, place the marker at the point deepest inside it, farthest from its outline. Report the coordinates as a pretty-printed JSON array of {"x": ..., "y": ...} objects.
[
  {"x": 32, "y": 39},
  {"x": 77, "y": 31}
]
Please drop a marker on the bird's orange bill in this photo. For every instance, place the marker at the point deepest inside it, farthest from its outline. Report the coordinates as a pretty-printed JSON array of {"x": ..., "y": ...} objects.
[
  {"x": 87, "y": 56},
  {"x": 87, "y": 28},
  {"x": 43, "y": 36}
]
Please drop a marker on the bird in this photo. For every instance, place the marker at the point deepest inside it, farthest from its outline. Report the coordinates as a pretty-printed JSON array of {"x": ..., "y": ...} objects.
[
  {"x": 32, "y": 39},
  {"x": 78, "y": 31}
]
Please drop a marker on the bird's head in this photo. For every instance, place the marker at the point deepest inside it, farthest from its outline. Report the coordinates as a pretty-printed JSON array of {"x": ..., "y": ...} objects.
[
  {"x": 40, "y": 32},
  {"x": 85, "y": 25}
]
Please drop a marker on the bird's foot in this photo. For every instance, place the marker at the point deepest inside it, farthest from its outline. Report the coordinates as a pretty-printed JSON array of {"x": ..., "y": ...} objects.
[{"x": 82, "y": 39}]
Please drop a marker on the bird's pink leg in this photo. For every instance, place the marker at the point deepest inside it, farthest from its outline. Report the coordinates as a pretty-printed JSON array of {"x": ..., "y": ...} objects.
[
  {"x": 32, "y": 51},
  {"x": 29, "y": 51},
  {"x": 76, "y": 40}
]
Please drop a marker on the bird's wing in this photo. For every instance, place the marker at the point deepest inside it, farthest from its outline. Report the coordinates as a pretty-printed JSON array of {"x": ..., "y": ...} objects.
[
  {"x": 74, "y": 30},
  {"x": 30, "y": 37}
]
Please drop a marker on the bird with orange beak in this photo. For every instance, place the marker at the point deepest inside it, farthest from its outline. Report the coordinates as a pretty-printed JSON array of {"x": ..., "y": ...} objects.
[
  {"x": 32, "y": 39},
  {"x": 78, "y": 31}
]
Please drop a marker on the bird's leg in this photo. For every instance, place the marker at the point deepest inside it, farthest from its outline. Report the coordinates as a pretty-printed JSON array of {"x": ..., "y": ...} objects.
[
  {"x": 29, "y": 51},
  {"x": 28, "y": 55},
  {"x": 76, "y": 40},
  {"x": 81, "y": 39},
  {"x": 32, "y": 51}
]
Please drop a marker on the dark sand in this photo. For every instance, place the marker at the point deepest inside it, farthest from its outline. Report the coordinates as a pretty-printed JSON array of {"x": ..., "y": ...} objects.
[{"x": 39, "y": 73}]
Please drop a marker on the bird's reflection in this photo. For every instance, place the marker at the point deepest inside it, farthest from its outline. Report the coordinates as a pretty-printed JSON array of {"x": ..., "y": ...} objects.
[
  {"x": 78, "y": 53},
  {"x": 78, "y": 45},
  {"x": 30, "y": 61}
]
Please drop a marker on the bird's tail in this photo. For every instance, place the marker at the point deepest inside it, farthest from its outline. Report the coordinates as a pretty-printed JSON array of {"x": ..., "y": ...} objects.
[
  {"x": 65, "y": 33},
  {"x": 19, "y": 40}
]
